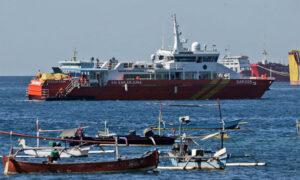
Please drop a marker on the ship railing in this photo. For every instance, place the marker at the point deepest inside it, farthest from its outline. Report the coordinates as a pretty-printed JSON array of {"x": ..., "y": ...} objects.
[
  {"x": 45, "y": 92},
  {"x": 263, "y": 78},
  {"x": 71, "y": 86}
]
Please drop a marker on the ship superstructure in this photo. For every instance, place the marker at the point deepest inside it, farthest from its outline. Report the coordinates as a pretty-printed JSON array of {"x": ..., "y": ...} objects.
[
  {"x": 179, "y": 73},
  {"x": 239, "y": 64}
]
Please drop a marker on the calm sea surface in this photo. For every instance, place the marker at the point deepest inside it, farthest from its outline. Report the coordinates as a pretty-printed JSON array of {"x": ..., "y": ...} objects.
[{"x": 271, "y": 135}]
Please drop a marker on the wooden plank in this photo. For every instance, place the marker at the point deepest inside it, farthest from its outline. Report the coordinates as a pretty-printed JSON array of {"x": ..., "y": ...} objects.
[
  {"x": 106, "y": 151},
  {"x": 247, "y": 164},
  {"x": 173, "y": 168}
]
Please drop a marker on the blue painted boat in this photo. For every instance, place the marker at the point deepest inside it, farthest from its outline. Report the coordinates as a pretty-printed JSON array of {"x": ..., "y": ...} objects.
[{"x": 209, "y": 126}]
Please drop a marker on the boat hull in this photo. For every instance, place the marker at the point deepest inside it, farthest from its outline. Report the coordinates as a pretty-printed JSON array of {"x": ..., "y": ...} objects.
[
  {"x": 129, "y": 141},
  {"x": 146, "y": 162},
  {"x": 152, "y": 90},
  {"x": 205, "y": 163}
]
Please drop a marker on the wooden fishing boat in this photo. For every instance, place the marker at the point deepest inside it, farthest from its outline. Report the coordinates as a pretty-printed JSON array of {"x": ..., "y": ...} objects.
[
  {"x": 147, "y": 161},
  {"x": 127, "y": 140},
  {"x": 149, "y": 138}
]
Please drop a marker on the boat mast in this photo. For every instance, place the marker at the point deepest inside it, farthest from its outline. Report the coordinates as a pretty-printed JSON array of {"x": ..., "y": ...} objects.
[
  {"x": 182, "y": 119},
  {"x": 37, "y": 132},
  {"x": 159, "y": 118},
  {"x": 223, "y": 124},
  {"x": 177, "y": 44}
]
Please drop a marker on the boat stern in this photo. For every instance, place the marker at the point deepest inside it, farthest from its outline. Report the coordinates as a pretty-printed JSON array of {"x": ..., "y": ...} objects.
[{"x": 48, "y": 89}]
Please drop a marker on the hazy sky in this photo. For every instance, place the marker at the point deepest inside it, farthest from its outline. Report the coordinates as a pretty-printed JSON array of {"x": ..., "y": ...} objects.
[{"x": 35, "y": 34}]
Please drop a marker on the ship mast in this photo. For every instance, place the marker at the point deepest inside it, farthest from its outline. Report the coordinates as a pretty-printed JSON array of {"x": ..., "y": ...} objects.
[
  {"x": 74, "y": 56},
  {"x": 177, "y": 44},
  {"x": 264, "y": 60}
]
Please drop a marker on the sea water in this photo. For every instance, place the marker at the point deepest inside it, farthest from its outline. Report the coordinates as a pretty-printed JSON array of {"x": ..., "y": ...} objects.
[{"x": 270, "y": 135}]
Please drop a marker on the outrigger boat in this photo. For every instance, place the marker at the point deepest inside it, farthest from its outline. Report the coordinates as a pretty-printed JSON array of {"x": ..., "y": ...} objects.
[
  {"x": 183, "y": 158},
  {"x": 163, "y": 125},
  {"x": 65, "y": 152},
  {"x": 148, "y": 161},
  {"x": 149, "y": 138},
  {"x": 197, "y": 158},
  {"x": 209, "y": 126}
]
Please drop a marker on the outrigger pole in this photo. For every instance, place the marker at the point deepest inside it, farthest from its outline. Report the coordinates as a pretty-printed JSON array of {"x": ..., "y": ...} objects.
[{"x": 55, "y": 139}]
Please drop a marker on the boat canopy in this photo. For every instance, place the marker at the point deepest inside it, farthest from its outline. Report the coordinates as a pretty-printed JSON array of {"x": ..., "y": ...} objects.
[{"x": 68, "y": 133}]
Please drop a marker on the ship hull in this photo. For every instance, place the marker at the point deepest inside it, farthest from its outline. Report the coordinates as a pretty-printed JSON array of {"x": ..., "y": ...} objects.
[
  {"x": 278, "y": 71},
  {"x": 153, "y": 90},
  {"x": 297, "y": 83}
]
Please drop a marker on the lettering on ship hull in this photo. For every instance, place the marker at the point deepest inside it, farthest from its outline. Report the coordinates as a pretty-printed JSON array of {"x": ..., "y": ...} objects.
[
  {"x": 125, "y": 82},
  {"x": 244, "y": 81}
]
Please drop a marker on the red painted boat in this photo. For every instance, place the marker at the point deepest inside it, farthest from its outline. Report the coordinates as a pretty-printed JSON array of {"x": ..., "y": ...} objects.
[
  {"x": 176, "y": 74},
  {"x": 147, "y": 161}
]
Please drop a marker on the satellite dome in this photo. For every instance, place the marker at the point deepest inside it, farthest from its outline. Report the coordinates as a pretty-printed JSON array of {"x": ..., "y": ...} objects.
[{"x": 196, "y": 47}]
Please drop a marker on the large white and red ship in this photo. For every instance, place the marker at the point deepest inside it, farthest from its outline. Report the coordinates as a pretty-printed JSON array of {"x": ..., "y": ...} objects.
[
  {"x": 175, "y": 74},
  {"x": 239, "y": 64}
]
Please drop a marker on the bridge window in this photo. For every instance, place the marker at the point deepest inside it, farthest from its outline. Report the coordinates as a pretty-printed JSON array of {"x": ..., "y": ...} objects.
[
  {"x": 162, "y": 76},
  {"x": 190, "y": 75},
  {"x": 160, "y": 57},
  {"x": 185, "y": 58},
  {"x": 134, "y": 76},
  {"x": 176, "y": 75}
]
